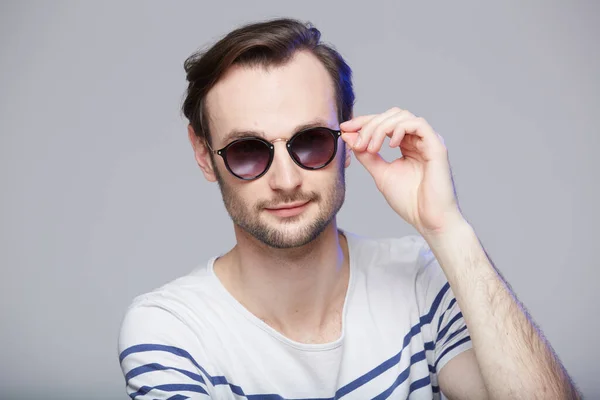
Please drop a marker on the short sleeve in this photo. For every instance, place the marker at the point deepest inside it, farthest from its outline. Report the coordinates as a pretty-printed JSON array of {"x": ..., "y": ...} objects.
[
  {"x": 159, "y": 356},
  {"x": 447, "y": 328}
]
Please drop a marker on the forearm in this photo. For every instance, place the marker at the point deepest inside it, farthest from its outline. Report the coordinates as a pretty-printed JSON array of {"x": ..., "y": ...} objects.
[{"x": 514, "y": 358}]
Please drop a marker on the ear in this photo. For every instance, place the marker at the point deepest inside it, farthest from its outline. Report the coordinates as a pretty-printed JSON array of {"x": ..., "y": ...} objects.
[
  {"x": 347, "y": 147},
  {"x": 202, "y": 155},
  {"x": 347, "y": 155}
]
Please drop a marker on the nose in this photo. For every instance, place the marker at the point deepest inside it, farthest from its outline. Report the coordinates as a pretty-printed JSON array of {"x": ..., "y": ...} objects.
[{"x": 284, "y": 174}]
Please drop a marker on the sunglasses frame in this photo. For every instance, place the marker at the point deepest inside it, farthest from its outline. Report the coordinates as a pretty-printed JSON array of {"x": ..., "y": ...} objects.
[{"x": 335, "y": 133}]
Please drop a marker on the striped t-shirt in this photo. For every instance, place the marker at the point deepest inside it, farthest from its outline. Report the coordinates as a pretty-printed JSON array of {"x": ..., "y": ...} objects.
[{"x": 401, "y": 325}]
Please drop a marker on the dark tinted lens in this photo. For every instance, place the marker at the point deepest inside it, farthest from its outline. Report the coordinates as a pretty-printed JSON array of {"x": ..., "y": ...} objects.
[
  {"x": 248, "y": 158},
  {"x": 313, "y": 148}
]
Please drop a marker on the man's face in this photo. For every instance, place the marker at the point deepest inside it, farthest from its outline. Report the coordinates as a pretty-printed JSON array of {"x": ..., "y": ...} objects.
[{"x": 274, "y": 102}]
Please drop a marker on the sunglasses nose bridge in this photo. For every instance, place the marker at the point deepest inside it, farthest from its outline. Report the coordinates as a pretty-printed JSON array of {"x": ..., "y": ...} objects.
[
  {"x": 285, "y": 141},
  {"x": 279, "y": 140},
  {"x": 284, "y": 174},
  {"x": 284, "y": 150}
]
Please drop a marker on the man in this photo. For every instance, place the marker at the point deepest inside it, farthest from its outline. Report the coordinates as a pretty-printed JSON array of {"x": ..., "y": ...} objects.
[{"x": 299, "y": 308}]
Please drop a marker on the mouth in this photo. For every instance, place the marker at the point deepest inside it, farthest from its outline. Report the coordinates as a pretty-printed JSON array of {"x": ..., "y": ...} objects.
[{"x": 289, "y": 209}]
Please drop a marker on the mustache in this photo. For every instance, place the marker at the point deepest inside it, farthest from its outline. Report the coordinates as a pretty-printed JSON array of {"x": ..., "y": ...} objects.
[{"x": 290, "y": 197}]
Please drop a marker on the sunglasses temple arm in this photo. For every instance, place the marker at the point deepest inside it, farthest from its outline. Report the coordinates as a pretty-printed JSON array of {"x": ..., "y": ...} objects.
[{"x": 210, "y": 148}]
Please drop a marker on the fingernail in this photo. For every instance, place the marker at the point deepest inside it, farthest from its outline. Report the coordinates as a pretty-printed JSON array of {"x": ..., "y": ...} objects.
[{"x": 357, "y": 143}]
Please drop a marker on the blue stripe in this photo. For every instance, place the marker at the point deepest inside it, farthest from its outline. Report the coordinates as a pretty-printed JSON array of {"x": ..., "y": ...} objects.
[
  {"x": 429, "y": 346},
  {"x": 152, "y": 347},
  {"x": 443, "y": 332},
  {"x": 177, "y": 397},
  {"x": 380, "y": 369},
  {"x": 159, "y": 367},
  {"x": 169, "y": 388},
  {"x": 402, "y": 377},
  {"x": 444, "y": 313},
  {"x": 278, "y": 397},
  {"x": 416, "y": 385},
  {"x": 449, "y": 338},
  {"x": 348, "y": 388},
  {"x": 455, "y": 345},
  {"x": 214, "y": 380}
]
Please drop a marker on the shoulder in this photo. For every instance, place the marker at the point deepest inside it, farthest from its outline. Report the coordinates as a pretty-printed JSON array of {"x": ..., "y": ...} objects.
[
  {"x": 159, "y": 349},
  {"x": 405, "y": 262},
  {"x": 410, "y": 253},
  {"x": 165, "y": 330},
  {"x": 167, "y": 313}
]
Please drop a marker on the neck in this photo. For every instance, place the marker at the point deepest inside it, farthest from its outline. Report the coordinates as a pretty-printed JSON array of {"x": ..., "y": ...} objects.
[{"x": 294, "y": 290}]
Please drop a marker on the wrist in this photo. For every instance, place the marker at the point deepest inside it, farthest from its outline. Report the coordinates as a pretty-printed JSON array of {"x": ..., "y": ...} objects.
[
  {"x": 455, "y": 226},
  {"x": 457, "y": 250}
]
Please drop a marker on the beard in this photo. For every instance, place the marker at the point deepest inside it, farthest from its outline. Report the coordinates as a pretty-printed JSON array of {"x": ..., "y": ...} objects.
[{"x": 288, "y": 233}]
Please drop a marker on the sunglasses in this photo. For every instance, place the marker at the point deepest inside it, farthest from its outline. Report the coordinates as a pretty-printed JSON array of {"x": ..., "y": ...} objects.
[{"x": 249, "y": 158}]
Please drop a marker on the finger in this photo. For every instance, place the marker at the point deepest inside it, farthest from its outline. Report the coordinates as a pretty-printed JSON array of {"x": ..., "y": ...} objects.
[
  {"x": 386, "y": 128},
  {"x": 407, "y": 142},
  {"x": 397, "y": 135},
  {"x": 349, "y": 138},
  {"x": 430, "y": 146},
  {"x": 373, "y": 163},
  {"x": 355, "y": 124},
  {"x": 367, "y": 130},
  {"x": 441, "y": 139}
]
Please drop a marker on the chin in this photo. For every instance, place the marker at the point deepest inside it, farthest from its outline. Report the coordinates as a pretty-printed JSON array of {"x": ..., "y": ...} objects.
[{"x": 291, "y": 233}]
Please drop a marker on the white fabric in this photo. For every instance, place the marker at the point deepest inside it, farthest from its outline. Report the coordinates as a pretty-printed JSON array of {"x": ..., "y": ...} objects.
[{"x": 401, "y": 325}]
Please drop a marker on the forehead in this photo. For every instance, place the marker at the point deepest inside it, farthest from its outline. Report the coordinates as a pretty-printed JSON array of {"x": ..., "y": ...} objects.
[{"x": 272, "y": 100}]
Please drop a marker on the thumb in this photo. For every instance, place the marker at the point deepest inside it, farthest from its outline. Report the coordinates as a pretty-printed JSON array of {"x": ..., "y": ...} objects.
[
  {"x": 373, "y": 163},
  {"x": 350, "y": 138}
]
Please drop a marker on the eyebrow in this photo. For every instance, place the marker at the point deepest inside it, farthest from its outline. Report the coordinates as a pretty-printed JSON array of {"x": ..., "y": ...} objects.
[{"x": 238, "y": 134}]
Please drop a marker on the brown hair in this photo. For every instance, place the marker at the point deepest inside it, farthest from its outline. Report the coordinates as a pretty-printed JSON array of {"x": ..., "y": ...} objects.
[{"x": 269, "y": 43}]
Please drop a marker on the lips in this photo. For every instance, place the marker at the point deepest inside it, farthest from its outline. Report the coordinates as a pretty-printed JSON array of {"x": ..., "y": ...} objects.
[
  {"x": 288, "y": 209},
  {"x": 288, "y": 206}
]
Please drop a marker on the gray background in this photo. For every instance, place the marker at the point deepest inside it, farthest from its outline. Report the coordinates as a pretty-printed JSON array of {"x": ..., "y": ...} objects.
[{"x": 101, "y": 198}]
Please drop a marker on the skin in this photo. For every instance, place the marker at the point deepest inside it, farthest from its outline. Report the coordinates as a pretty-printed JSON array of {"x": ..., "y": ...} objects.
[
  {"x": 276, "y": 268},
  {"x": 295, "y": 271}
]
